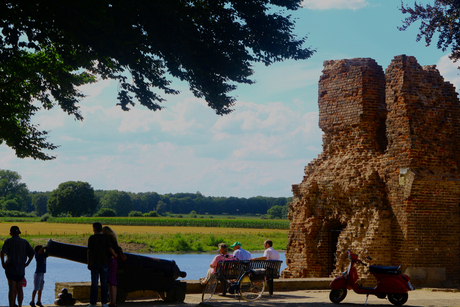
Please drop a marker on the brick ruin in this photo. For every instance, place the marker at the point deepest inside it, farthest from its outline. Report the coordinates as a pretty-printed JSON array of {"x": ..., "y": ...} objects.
[{"x": 387, "y": 183}]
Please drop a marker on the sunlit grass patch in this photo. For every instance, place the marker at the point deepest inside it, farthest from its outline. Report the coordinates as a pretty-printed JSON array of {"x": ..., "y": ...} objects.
[{"x": 155, "y": 238}]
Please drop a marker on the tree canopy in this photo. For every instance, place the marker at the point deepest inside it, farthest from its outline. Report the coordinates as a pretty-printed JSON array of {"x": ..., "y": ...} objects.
[
  {"x": 39, "y": 202},
  {"x": 14, "y": 195},
  {"x": 50, "y": 48},
  {"x": 118, "y": 201},
  {"x": 441, "y": 18},
  {"x": 72, "y": 197}
]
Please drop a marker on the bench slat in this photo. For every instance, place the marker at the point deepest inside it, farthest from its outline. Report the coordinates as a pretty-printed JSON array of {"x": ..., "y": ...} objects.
[{"x": 231, "y": 269}]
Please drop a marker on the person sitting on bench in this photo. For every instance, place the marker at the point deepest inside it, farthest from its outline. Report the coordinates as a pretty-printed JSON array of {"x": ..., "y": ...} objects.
[
  {"x": 269, "y": 253},
  {"x": 223, "y": 255}
]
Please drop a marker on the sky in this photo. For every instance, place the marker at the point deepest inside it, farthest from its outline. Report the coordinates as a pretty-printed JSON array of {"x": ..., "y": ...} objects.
[{"x": 261, "y": 148}]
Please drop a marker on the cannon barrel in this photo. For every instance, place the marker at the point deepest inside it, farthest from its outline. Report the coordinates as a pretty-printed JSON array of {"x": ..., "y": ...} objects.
[
  {"x": 136, "y": 273},
  {"x": 78, "y": 253}
]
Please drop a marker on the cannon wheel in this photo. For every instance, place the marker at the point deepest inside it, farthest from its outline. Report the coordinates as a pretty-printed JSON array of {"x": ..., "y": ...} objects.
[{"x": 176, "y": 295}]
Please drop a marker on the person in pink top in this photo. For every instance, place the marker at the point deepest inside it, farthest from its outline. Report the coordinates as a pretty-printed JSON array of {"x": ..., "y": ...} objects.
[{"x": 223, "y": 255}]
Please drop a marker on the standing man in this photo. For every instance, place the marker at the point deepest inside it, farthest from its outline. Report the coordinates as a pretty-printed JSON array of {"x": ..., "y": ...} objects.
[
  {"x": 239, "y": 252},
  {"x": 17, "y": 251},
  {"x": 269, "y": 253},
  {"x": 99, "y": 248}
]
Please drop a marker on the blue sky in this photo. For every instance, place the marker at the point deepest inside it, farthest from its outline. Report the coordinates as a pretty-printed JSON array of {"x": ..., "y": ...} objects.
[{"x": 259, "y": 149}]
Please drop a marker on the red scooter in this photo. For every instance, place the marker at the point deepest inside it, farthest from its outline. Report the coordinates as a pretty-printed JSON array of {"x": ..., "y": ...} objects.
[{"x": 390, "y": 282}]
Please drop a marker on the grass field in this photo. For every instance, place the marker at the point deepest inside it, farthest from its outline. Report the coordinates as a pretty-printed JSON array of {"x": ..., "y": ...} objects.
[{"x": 152, "y": 238}]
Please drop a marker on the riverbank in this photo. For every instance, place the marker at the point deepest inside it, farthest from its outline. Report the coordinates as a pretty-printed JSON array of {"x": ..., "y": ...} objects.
[
  {"x": 152, "y": 239},
  {"x": 128, "y": 247}
]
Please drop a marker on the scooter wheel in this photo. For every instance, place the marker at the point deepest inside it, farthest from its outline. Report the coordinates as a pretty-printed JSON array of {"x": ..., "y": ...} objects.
[
  {"x": 337, "y": 295},
  {"x": 398, "y": 298}
]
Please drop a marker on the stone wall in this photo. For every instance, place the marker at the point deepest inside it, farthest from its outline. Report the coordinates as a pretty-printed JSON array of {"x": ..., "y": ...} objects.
[{"x": 387, "y": 182}]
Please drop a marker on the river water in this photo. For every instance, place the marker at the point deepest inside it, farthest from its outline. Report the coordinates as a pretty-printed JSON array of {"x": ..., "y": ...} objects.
[{"x": 61, "y": 270}]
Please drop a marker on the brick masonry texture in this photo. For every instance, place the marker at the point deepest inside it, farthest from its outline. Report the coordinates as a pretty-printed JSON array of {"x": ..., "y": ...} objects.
[{"x": 387, "y": 182}]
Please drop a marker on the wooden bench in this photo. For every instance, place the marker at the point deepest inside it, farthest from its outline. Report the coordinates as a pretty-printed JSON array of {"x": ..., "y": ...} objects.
[
  {"x": 233, "y": 269},
  {"x": 272, "y": 270}
]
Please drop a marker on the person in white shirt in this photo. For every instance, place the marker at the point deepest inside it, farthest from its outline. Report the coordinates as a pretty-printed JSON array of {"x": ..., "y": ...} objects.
[
  {"x": 269, "y": 253},
  {"x": 239, "y": 252}
]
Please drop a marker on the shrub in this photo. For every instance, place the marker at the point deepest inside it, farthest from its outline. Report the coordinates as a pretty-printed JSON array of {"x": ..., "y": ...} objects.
[
  {"x": 14, "y": 213},
  {"x": 44, "y": 217},
  {"x": 135, "y": 213},
  {"x": 152, "y": 214},
  {"x": 106, "y": 212}
]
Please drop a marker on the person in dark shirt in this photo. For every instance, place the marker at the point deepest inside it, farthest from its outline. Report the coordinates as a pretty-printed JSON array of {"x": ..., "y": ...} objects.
[
  {"x": 39, "y": 277},
  {"x": 19, "y": 255},
  {"x": 99, "y": 248}
]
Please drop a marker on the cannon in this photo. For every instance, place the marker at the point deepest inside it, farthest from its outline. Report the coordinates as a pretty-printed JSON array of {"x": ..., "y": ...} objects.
[{"x": 136, "y": 273}]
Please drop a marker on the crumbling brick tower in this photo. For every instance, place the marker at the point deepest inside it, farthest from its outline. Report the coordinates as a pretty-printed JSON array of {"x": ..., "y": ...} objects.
[{"x": 387, "y": 183}]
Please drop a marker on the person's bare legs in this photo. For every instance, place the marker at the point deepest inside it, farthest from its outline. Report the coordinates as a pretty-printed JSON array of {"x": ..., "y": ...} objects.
[
  {"x": 20, "y": 293},
  {"x": 39, "y": 297},
  {"x": 15, "y": 290},
  {"x": 113, "y": 294},
  {"x": 33, "y": 296},
  {"x": 11, "y": 292}
]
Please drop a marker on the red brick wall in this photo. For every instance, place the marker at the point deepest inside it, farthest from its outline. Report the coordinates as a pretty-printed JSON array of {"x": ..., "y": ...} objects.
[{"x": 388, "y": 174}]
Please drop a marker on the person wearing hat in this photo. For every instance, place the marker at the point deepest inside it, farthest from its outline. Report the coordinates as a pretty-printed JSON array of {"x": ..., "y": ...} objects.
[
  {"x": 19, "y": 255},
  {"x": 223, "y": 255},
  {"x": 239, "y": 252}
]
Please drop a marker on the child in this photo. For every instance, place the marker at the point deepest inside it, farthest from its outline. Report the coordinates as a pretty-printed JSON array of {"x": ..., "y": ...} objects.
[{"x": 39, "y": 277}]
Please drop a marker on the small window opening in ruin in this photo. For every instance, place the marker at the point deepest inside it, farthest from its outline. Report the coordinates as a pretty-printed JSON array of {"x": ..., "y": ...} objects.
[
  {"x": 334, "y": 232},
  {"x": 381, "y": 137}
]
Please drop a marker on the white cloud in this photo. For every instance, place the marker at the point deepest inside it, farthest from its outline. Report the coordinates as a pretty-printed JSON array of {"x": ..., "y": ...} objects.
[
  {"x": 335, "y": 4},
  {"x": 259, "y": 145},
  {"x": 69, "y": 138},
  {"x": 94, "y": 90},
  {"x": 50, "y": 119},
  {"x": 449, "y": 70},
  {"x": 270, "y": 118}
]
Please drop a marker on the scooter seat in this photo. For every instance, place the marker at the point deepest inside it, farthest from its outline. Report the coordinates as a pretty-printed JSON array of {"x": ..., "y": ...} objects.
[{"x": 388, "y": 270}]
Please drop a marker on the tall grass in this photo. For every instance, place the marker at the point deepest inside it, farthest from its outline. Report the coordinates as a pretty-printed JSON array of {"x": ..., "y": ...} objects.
[
  {"x": 144, "y": 239},
  {"x": 191, "y": 222},
  {"x": 174, "y": 242},
  {"x": 195, "y": 242}
]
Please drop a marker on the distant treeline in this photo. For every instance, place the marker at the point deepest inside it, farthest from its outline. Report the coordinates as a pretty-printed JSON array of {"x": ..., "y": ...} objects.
[
  {"x": 76, "y": 198},
  {"x": 184, "y": 203},
  {"x": 179, "y": 203}
]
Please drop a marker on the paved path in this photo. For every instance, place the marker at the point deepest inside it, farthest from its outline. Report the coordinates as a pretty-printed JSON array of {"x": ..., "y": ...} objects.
[{"x": 311, "y": 298}]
